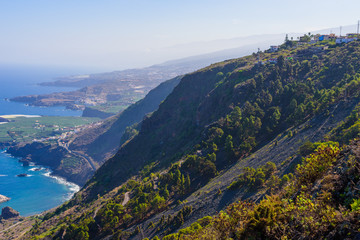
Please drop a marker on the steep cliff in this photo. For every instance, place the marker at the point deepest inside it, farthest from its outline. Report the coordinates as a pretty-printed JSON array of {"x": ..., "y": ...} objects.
[
  {"x": 77, "y": 158},
  {"x": 234, "y": 131}
]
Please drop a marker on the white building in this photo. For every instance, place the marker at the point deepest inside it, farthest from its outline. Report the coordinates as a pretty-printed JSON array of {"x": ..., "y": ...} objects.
[
  {"x": 341, "y": 40},
  {"x": 274, "y": 48}
]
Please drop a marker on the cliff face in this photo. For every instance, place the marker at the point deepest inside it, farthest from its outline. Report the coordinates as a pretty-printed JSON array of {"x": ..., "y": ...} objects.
[
  {"x": 90, "y": 148},
  {"x": 4, "y": 120},
  {"x": 8, "y": 212},
  {"x": 171, "y": 129},
  {"x": 230, "y": 132},
  {"x": 61, "y": 161},
  {"x": 102, "y": 142},
  {"x": 230, "y": 110},
  {"x": 42, "y": 153},
  {"x": 90, "y": 112}
]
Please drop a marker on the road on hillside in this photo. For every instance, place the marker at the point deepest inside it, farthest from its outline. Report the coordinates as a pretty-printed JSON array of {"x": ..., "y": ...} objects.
[{"x": 83, "y": 156}]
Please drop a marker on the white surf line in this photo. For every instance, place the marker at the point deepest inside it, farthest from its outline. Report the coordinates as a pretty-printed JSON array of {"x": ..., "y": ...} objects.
[{"x": 74, "y": 188}]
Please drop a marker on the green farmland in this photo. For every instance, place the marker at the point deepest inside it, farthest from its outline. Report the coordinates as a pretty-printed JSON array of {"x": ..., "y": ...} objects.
[{"x": 22, "y": 129}]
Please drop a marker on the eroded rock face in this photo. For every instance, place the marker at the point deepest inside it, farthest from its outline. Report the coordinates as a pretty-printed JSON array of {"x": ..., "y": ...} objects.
[
  {"x": 4, "y": 120},
  {"x": 8, "y": 212}
]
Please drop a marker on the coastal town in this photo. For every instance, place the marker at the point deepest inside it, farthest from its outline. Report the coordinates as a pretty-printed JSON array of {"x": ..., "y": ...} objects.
[
  {"x": 321, "y": 42},
  {"x": 28, "y": 128}
]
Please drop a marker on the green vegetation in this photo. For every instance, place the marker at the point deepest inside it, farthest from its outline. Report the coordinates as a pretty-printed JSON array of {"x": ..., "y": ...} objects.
[
  {"x": 297, "y": 210},
  {"x": 26, "y": 129},
  {"x": 349, "y": 129},
  {"x": 217, "y": 117},
  {"x": 253, "y": 179},
  {"x": 120, "y": 102}
]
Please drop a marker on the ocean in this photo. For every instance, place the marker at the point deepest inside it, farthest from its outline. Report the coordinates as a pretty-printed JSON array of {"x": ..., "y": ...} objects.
[
  {"x": 38, "y": 191},
  {"x": 32, "y": 194},
  {"x": 19, "y": 81}
]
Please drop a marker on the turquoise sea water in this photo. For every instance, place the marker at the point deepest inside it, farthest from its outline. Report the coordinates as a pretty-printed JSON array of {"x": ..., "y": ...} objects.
[
  {"x": 37, "y": 192},
  {"x": 32, "y": 194}
]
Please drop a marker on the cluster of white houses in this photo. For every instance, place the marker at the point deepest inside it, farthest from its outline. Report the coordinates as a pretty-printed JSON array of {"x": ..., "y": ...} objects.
[{"x": 318, "y": 38}]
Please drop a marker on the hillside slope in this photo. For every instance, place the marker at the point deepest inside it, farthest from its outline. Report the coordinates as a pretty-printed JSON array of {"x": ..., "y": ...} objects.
[
  {"x": 103, "y": 142},
  {"x": 226, "y": 132},
  {"x": 78, "y": 156}
]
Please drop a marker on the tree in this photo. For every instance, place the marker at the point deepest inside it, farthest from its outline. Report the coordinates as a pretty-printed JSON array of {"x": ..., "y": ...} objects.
[
  {"x": 166, "y": 192},
  {"x": 307, "y": 148},
  {"x": 281, "y": 61},
  {"x": 187, "y": 182},
  {"x": 229, "y": 146},
  {"x": 269, "y": 169},
  {"x": 235, "y": 114},
  {"x": 158, "y": 201},
  {"x": 286, "y": 38},
  {"x": 292, "y": 105},
  {"x": 275, "y": 117}
]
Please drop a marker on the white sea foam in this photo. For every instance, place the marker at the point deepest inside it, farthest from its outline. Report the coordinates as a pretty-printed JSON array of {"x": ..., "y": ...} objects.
[
  {"x": 74, "y": 188},
  {"x": 2, "y": 175},
  {"x": 36, "y": 169}
]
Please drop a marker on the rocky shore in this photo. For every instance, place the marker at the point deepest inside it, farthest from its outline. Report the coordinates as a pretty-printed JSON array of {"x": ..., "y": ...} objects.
[
  {"x": 3, "y": 198},
  {"x": 52, "y": 156}
]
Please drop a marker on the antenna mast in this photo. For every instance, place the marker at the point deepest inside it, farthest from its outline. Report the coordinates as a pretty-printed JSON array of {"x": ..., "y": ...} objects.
[{"x": 358, "y": 28}]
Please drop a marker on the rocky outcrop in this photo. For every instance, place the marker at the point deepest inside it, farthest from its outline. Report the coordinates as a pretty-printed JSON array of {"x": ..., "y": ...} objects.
[
  {"x": 62, "y": 162},
  {"x": 91, "y": 112},
  {"x": 3, "y": 198},
  {"x": 8, "y": 212},
  {"x": 4, "y": 120},
  {"x": 41, "y": 153}
]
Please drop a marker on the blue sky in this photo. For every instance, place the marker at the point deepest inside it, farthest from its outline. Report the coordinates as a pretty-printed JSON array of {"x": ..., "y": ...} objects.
[{"x": 118, "y": 34}]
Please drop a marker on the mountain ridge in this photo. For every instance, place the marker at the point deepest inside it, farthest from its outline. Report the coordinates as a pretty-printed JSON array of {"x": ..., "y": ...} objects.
[{"x": 228, "y": 131}]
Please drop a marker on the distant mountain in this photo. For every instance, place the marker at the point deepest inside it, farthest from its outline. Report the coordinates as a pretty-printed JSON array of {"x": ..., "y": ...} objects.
[
  {"x": 117, "y": 90},
  {"x": 336, "y": 30},
  {"x": 214, "y": 52}
]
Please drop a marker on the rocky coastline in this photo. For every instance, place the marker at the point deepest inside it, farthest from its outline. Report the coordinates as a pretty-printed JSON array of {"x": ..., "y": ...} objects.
[
  {"x": 3, "y": 198},
  {"x": 50, "y": 156}
]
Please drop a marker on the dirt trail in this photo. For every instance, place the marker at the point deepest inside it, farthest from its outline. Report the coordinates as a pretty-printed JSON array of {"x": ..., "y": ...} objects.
[
  {"x": 83, "y": 156},
  {"x": 126, "y": 198}
]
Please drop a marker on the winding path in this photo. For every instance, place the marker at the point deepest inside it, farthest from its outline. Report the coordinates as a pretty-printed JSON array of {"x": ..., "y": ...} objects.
[{"x": 83, "y": 156}]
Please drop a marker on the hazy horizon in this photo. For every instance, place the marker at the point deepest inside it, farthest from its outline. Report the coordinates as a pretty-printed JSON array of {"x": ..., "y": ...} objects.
[{"x": 115, "y": 35}]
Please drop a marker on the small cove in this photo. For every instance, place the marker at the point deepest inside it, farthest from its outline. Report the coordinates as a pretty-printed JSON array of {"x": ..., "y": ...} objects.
[{"x": 32, "y": 194}]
